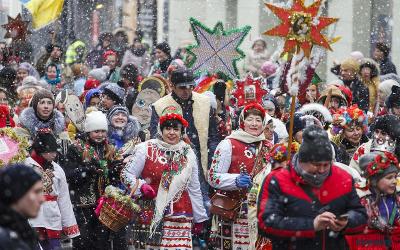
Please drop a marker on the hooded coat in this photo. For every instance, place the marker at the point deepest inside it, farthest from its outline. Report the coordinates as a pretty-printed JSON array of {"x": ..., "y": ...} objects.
[
  {"x": 119, "y": 137},
  {"x": 30, "y": 121}
]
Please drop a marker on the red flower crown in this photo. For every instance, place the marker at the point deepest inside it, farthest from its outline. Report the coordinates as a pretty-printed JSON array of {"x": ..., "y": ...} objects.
[
  {"x": 254, "y": 105},
  {"x": 380, "y": 163},
  {"x": 172, "y": 116}
]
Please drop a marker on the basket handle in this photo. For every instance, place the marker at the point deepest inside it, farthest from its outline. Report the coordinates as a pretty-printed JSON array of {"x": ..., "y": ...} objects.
[{"x": 134, "y": 188}]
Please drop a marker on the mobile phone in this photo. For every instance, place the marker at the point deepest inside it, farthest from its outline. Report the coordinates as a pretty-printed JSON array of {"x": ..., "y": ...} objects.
[{"x": 343, "y": 217}]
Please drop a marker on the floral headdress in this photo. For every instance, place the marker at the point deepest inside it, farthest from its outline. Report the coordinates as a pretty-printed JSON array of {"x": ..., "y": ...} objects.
[
  {"x": 349, "y": 117},
  {"x": 279, "y": 152},
  {"x": 173, "y": 113},
  {"x": 381, "y": 163}
]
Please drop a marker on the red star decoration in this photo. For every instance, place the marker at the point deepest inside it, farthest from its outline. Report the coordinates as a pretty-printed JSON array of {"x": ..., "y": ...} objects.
[
  {"x": 301, "y": 27},
  {"x": 18, "y": 25},
  {"x": 249, "y": 91}
]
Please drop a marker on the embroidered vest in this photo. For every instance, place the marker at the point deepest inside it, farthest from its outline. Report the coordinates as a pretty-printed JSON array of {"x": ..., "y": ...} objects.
[
  {"x": 201, "y": 113},
  {"x": 242, "y": 155}
]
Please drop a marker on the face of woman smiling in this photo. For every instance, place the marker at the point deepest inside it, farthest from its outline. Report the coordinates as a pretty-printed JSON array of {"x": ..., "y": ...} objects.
[
  {"x": 172, "y": 135},
  {"x": 119, "y": 120},
  {"x": 253, "y": 124}
]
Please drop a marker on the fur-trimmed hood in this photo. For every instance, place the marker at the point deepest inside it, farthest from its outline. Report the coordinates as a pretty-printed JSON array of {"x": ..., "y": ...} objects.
[
  {"x": 130, "y": 131},
  {"x": 32, "y": 123}
]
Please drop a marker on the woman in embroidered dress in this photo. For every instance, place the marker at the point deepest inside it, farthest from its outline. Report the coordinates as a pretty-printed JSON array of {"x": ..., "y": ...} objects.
[
  {"x": 381, "y": 202},
  {"x": 165, "y": 169},
  {"x": 56, "y": 216},
  {"x": 90, "y": 165},
  {"x": 237, "y": 165}
]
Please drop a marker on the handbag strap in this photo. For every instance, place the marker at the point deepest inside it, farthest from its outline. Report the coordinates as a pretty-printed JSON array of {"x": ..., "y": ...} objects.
[{"x": 307, "y": 189}]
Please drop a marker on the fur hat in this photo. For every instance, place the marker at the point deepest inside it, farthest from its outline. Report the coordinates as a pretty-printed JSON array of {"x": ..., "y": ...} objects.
[
  {"x": 100, "y": 74},
  {"x": 39, "y": 95},
  {"x": 182, "y": 77},
  {"x": 316, "y": 146},
  {"x": 96, "y": 120},
  {"x": 386, "y": 87},
  {"x": 350, "y": 63},
  {"x": 115, "y": 92},
  {"x": 45, "y": 142},
  {"x": 15, "y": 181},
  {"x": 387, "y": 124},
  {"x": 369, "y": 63}
]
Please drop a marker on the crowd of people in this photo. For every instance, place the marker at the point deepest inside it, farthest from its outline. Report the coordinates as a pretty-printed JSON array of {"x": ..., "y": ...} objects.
[{"x": 205, "y": 173}]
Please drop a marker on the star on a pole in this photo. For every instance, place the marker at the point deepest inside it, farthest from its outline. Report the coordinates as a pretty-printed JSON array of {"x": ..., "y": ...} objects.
[
  {"x": 217, "y": 51},
  {"x": 16, "y": 28},
  {"x": 301, "y": 27}
]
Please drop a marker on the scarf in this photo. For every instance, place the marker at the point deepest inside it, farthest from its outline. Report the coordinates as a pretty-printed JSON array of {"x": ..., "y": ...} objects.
[
  {"x": 14, "y": 221},
  {"x": 245, "y": 137},
  {"x": 179, "y": 177},
  {"x": 315, "y": 180}
]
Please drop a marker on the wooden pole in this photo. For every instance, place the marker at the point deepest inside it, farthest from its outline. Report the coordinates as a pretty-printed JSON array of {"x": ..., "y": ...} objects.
[{"x": 292, "y": 107}]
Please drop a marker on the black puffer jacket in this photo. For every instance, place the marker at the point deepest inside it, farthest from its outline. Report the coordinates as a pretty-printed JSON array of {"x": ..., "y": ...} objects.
[
  {"x": 286, "y": 213},
  {"x": 15, "y": 231}
]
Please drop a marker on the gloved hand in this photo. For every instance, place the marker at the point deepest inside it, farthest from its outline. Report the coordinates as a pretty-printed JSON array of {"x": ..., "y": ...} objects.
[
  {"x": 148, "y": 192},
  {"x": 243, "y": 181},
  {"x": 197, "y": 228}
]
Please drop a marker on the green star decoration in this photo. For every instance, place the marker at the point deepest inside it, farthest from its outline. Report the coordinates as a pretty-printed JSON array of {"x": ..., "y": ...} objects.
[{"x": 217, "y": 51}]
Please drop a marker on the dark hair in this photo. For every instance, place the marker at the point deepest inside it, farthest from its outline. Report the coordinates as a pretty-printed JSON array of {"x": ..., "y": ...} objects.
[
  {"x": 51, "y": 65},
  {"x": 130, "y": 72},
  {"x": 384, "y": 48},
  {"x": 374, "y": 69},
  {"x": 173, "y": 123}
]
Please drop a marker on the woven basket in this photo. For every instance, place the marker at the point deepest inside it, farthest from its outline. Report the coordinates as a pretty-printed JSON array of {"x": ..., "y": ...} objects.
[
  {"x": 112, "y": 218},
  {"x": 116, "y": 217}
]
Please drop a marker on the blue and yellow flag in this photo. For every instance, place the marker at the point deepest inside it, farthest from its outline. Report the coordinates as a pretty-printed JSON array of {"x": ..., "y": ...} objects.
[{"x": 43, "y": 11}]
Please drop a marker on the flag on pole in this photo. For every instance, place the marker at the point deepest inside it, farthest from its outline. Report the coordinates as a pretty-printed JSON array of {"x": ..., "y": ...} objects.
[{"x": 43, "y": 11}]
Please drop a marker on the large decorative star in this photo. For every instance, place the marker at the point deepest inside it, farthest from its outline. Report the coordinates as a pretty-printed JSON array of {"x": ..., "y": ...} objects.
[
  {"x": 216, "y": 50},
  {"x": 301, "y": 27},
  {"x": 16, "y": 28},
  {"x": 248, "y": 90}
]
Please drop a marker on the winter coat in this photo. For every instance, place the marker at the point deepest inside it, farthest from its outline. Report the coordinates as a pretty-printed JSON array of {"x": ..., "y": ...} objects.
[
  {"x": 386, "y": 66},
  {"x": 86, "y": 181},
  {"x": 142, "y": 62},
  {"x": 360, "y": 94},
  {"x": 114, "y": 75},
  {"x": 345, "y": 150},
  {"x": 119, "y": 137},
  {"x": 15, "y": 231},
  {"x": 29, "y": 120},
  {"x": 286, "y": 212}
]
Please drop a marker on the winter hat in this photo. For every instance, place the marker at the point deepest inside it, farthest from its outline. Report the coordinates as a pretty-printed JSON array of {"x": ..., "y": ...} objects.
[
  {"x": 349, "y": 117},
  {"x": 316, "y": 146},
  {"x": 164, "y": 47},
  {"x": 5, "y": 118},
  {"x": 382, "y": 164},
  {"x": 30, "y": 69},
  {"x": 298, "y": 124},
  {"x": 173, "y": 113},
  {"x": 357, "y": 55},
  {"x": 30, "y": 80},
  {"x": 116, "y": 109},
  {"x": 100, "y": 74},
  {"x": 369, "y": 63},
  {"x": 89, "y": 95},
  {"x": 182, "y": 77},
  {"x": 109, "y": 53},
  {"x": 45, "y": 142},
  {"x": 39, "y": 95},
  {"x": 386, "y": 86},
  {"x": 15, "y": 182},
  {"x": 350, "y": 63},
  {"x": 91, "y": 83},
  {"x": 365, "y": 160},
  {"x": 393, "y": 100},
  {"x": 96, "y": 120},
  {"x": 384, "y": 48},
  {"x": 254, "y": 106},
  {"x": 269, "y": 68},
  {"x": 387, "y": 123},
  {"x": 115, "y": 92}
]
